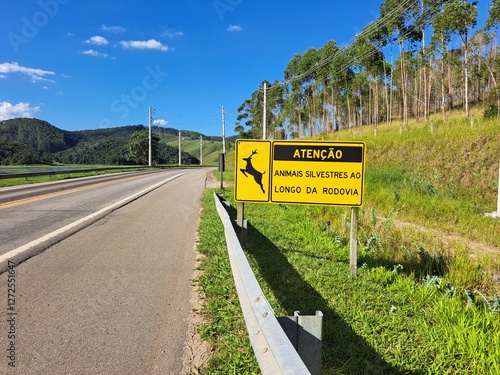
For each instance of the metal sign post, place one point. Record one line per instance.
(353, 253)
(306, 172)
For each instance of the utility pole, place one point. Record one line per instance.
(201, 150)
(150, 137)
(223, 133)
(222, 161)
(264, 125)
(180, 160)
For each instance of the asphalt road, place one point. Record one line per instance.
(28, 212)
(113, 298)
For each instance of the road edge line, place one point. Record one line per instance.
(39, 245)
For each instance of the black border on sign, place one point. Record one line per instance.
(269, 178)
(305, 143)
(316, 143)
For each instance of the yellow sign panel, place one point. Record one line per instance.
(326, 173)
(252, 171)
(310, 172)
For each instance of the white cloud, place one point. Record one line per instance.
(113, 29)
(173, 34)
(8, 111)
(94, 53)
(144, 44)
(3, 76)
(160, 122)
(99, 40)
(36, 75)
(234, 28)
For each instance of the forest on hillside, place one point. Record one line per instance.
(436, 63)
(34, 141)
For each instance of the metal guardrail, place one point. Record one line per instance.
(4, 176)
(273, 349)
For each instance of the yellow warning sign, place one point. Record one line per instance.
(326, 173)
(309, 172)
(252, 170)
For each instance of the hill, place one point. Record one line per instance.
(212, 146)
(34, 141)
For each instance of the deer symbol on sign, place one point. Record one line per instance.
(252, 171)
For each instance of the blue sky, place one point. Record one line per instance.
(101, 63)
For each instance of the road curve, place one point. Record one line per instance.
(111, 299)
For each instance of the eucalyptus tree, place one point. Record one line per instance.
(341, 75)
(249, 121)
(244, 121)
(428, 11)
(399, 19)
(439, 42)
(482, 48)
(368, 61)
(327, 54)
(293, 96)
(307, 78)
(275, 111)
(484, 67)
(457, 17)
(493, 20)
(250, 115)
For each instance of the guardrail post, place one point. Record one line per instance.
(241, 222)
(305, 332)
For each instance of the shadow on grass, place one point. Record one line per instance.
(344, 351)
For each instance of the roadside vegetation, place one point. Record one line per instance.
(426, 298)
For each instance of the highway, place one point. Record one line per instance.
(114, 296)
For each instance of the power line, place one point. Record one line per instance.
(399, 10)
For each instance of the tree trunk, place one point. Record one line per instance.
(466, 73)
(443, 110)
(404, 84)
(386, 91)
(299, 127)
(450, 88)
(375, 107)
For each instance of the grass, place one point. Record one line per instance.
(211, 149)
(438, 184)
(381, 322)
(426, 298)
(225, 328)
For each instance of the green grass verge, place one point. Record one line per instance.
(224, 329)
(382, 322)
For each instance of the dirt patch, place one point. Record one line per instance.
(211, 181)
(196, 351)
(475, 248)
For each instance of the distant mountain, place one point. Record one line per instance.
(36, 134)
(34, 141)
